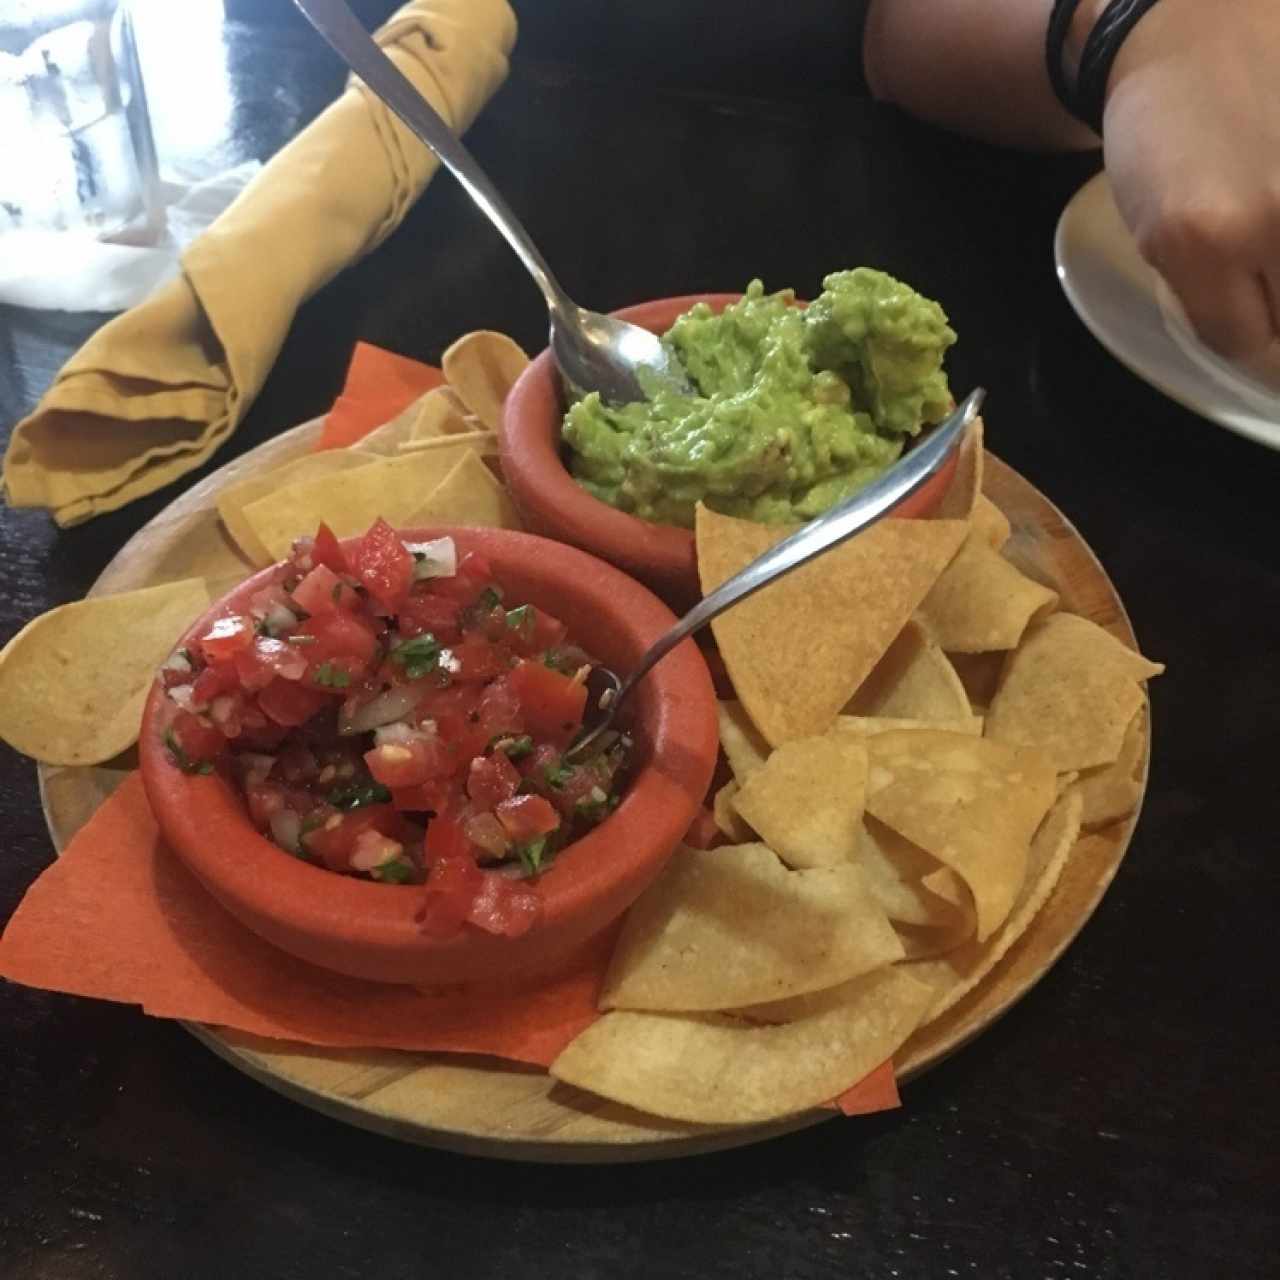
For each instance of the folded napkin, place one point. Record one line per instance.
(153, 393)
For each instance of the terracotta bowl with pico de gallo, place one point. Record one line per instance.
(361, 753)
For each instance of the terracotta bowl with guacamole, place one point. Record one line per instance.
(622, 483)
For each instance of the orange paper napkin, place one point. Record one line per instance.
(118, 917)
(379, 385)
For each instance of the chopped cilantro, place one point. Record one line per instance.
(331, 677)
(557, 775)
(180, 757)
(559, 661)
(530, 854)
(489, 598)
(521, 619)
(356, 795)
(397, 871)
(514, 748)
(419, 656)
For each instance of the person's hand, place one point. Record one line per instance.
(1191, 133)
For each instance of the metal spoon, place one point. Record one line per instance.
(595, 352)
(606, 692)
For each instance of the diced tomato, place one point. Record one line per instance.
(527, 817)
(436, 701)
(427, 613)
(499, 709)
(427, 797)
(552, 703)
(289, 703)
(196, 738)
(268, 658)
(703, 832)
(463, 738)
(343, 645)
(504, 906)
(491, 780)
(322, 591)
(473, 575)
(408, 764)
(213, 681)
(327, 550)
(534, 631)
(333, 841)
(382, 564)
(226, 638)
(453, 878)
(478, 661)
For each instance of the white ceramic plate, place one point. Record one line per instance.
(1114, 293)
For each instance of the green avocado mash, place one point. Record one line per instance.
(796, 407)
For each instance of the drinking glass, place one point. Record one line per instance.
(76, 151)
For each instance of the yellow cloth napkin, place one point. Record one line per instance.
(153, 393)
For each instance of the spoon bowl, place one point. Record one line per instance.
(594, 352)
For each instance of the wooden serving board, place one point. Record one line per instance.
(489, 1107)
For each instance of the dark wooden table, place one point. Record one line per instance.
(1121, 1122)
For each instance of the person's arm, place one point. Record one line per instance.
(1191, 130)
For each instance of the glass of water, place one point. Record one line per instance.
(76, 151)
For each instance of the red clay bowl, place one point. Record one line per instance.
(367, 929)
(555, 505)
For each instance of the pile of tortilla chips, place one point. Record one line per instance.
(918, 739)
(72, 694)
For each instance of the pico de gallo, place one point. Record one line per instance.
(390, 714)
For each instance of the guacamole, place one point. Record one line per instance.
(795, 408)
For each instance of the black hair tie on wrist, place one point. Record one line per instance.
(1087, 97)
(1055, 37)
(1108, 34)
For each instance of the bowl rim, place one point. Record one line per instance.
(204, 820)
(663, 555)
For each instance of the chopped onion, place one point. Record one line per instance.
(255, 767)
(280, 619)
(386, 708)
(437, 558)
(397, 734)
(182, 695)
(484, 830)
(286, 829)
(178, 662)
(373, 849)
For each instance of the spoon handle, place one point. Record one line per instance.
(828, 530)
(352, 43)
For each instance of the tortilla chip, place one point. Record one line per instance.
(732, 926)
(954, 975)
(440, 413)
(233, 500)
(482, 367)
(867, 726)
(197, 548)
(798, 649)
(715, 1069)
(1071, 690)
(468, 496)
(485, 443)
(981, 602)
(807, 800)
(895, 870)
(970, 802)
(743, 744)
(73, 681)
(726, 816)
(966, 485)
(349, 503)
(387, 439)
(1113, 791)
(990, 523)
(913, 681)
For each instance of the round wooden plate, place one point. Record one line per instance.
(494, 1108)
